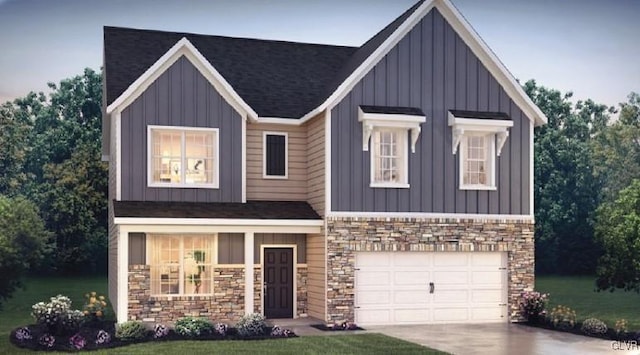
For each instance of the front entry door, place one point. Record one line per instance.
(278, 279)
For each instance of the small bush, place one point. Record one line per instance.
(57, 315)
(77, 341)
(221, 329)
(131, 330)
(533, 306)
(160, 331)
(23, 334)
(193, 327)
(94, 305)
(47, 340)
(103, 337)
(621, 326)
(593, 326)
(563, 317)
(251, 325)
(278, 332)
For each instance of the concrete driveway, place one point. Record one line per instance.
(502, 339)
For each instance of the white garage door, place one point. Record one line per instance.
(430, 287)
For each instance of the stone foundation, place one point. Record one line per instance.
(345, 236)
(225, 305)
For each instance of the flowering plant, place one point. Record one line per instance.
(621, 326)
(160, 331)
(57, 315)
(220, 329)
(276, 331)
(532, 306)
(77, 341)
(23, 334)
(563, 317)
(47, 340)
(94, 305)
(103, 337)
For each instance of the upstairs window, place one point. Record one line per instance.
(479, 136)
(390, 158)
(275, 155)
(183, 157)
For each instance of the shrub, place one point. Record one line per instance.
(221, 329)
(77, 341)
(57, 315)
(193, 327)
(23, 334)
(131, 330)
(533, 306)
(276, 331)
(593, 326)
(563, 317)
(47, 340)
(160, 331)
(103, 337)
(94, 305)
(621, 326)
(251, 325)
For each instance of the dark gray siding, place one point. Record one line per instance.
(231, 248)
(181, 96)
(137, 249)
(300, 240)
(431, 68)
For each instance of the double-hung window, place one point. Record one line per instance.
(181, 265)
(183, 157)
(389, 163)
(479, 138)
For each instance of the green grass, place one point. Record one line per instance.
(16, 313)
(579, 294)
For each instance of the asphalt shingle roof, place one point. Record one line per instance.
(275, 78)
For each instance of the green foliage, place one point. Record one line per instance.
(533, 306)
(251, 325)
(57, 315)
(193, 326)
(618, 229)
(566, 191)
(593, 326)
(130, 331)
(23, 242)
(563, 317)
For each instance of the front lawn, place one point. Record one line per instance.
(16, 313)
(579, 294)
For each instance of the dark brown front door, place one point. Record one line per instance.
(278, 278)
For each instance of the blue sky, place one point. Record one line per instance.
(590, 47)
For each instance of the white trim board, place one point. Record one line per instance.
(218, 221)
(264, 155)
(428, 215)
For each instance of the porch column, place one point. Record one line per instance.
(123, 275)
(248, 273)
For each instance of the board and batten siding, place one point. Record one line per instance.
(300, 240)
(294, 187)
(181, 96)
(316, 268)
(315, 163)
(433, 69)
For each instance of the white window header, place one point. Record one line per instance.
(465, 125)
(370, 121)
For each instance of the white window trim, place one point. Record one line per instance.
(264, 155)
(151, 244)
(462, 127)
(216, 173)
(402, 143)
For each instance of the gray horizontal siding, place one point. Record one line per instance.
(433, 69)
(181, 96)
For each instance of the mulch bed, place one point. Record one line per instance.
(89, 332)
(337, 328)
(609, 335)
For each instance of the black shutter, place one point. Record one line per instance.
(276, 155)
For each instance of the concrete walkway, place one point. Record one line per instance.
(501, 338)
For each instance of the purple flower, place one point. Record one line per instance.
(160, 331)
(47, 340)
(103, 337)
(23, 334)
(77, 341)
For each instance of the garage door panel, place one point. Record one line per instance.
(373, 278)
(410, 297)
(486, 277)
(417, 278)
(450, 259)
(407, 316)
(373, 316)
(366, 298)
(412, 259)
(374, 259)
(451, 277)
(450, 314)
(490, 313)
(482, 296)
(454, 296)
(486, 259)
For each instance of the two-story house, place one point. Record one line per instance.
(389, 183)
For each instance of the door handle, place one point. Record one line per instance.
(432, 287)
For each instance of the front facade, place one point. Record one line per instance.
(386, 184)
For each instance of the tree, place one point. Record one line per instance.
(23, 242)
(618, 229)
(566, 192)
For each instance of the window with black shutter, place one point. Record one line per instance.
(275, 155)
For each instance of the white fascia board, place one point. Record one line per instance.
(183, 48)
(218, 221)
(207, 229)
(427, 215)
(478, 122)
(471, 39)
(278, 120)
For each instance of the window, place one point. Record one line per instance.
(183, 157)
(389, 161)
(480, 137)
(181, 265)
(388, 129)
(275, 155)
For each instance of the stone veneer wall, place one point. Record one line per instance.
(345, 236)
(225, 305)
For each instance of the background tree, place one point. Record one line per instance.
(618, 229)
(23, 242)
